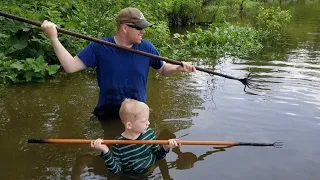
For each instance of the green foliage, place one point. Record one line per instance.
(272, 20)
(20, 41)
(27, 55)
(27, 52)
(28, 70)
(227, 39)
(95, 17)
(159, 34)
(220, 40)
(183, 12)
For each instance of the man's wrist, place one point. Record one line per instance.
(54, 39)
(178, 68)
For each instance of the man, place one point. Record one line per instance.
(121, 74)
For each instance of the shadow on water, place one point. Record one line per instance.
(187, 160)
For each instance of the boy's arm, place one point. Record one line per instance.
(158, 150)
(112, 160)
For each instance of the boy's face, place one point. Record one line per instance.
(141, 123)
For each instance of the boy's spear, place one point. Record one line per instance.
(182, 142)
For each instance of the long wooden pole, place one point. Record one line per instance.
(244, 81)
(217, 143)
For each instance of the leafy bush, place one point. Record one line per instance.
(227, 39)
(183, 12)
(27, 70)
(27, 47)
(220, 40)
(271, 21)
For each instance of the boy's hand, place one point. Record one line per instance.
(97, 144)
(172, 144)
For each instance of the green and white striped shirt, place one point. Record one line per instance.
(134, 158)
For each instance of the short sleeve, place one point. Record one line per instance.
(89, 55)
(155, 63)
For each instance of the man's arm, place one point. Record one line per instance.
(69, 63)
(168, 69)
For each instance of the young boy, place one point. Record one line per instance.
(133, 158)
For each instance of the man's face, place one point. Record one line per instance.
(135, 34)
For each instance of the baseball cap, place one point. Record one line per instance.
(132, 16)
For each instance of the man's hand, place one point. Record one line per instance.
(50, 29)
(186, 67)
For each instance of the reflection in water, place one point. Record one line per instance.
(186, 160)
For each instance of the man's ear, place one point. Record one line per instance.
(124, 28)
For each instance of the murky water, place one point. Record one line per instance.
(190, 107)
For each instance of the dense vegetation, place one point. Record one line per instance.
(26, 54)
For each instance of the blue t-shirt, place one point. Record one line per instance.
(121, 74)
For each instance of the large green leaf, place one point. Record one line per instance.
(28, 75)
(17, 65)
(21, 45)
(39, 64)
(52, 69)
(12, 77)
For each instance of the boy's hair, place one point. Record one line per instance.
(131, 108)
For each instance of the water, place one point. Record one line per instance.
(193, 107)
